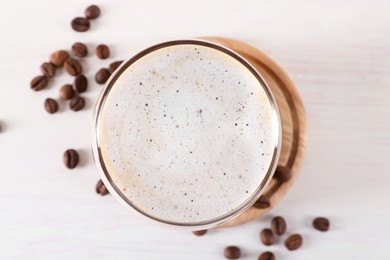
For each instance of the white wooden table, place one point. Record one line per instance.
(337, 53)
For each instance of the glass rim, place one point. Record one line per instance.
(117, 193)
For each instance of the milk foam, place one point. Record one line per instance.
(187, 133)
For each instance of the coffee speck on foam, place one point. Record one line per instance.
(187, 133)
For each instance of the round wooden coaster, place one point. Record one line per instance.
(293, 117)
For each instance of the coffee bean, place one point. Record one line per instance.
(80, 24)
(48, 69)
(102, 76)
(38, 83)
(51, 105)
(58, 58)
(77, 103)
(113, 66)
(71, 158)
(267, 237)
(232, 252)
(92, 12)
(283, 174)
(278, 225)
(79, 49)
(101, 188)
(267, 256)
(73, 67)
(66, 92)
(321, 224)
(262, 203)
(102, 51)
(293, 242)
(80, 84)
(199, 232)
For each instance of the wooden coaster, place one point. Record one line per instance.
(293, 117)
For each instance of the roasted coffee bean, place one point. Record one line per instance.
(71, 158)
(48, 69)
(79, 49)
(199, 233)
(262, 203)
(267, 256)
(77, 103)
(101, 188)
(58, 58)
(102, 51)
(73, 67)
(92, 12)
(80, 84)
(293, 242)
(51, 105)
(80, 24)
(282, 174)
(113, 66)
(0, 127)
(66, 92)
(267, 237)
(321, 224)
(102, 76)
(38, 83)
(232, 252)
(278, 225)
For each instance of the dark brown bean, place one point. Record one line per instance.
(66, 92)
(102, 51)
(92, 12)
(38, 83)
(77, 103)
(73, 67)
(267, 237)
(278, 225)
(113, 66)
(232, 252)
(199, 232)
(71, 158)
(321, 224)
(267, 256)
(80, 84)
(262, 203)
(51, 105)
(101, 188)
(58, 58)
(283, 174)
(48, 69)
(80, 24)
(102, 76)
(293, 242)
(79, 49)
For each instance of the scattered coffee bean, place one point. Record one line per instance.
(262, 203)
(267, 256)
(102, 76)
(267, 237)
(199, 233)
(73, 67)
(113, 66)
(102, 51)
(77, 103)
(38, 83)
(71, 158)
(101, 188)
(92, 12)
(232, 252)
(51, 105)
(58, 58)
(283, 174)
(278, 225)
(79, 49)
(0, 127)
(80, 24)
(66, 92)
(321, 224)
(293, 242)
(48, 69)
(80, 84)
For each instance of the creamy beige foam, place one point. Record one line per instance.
(187, 133)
